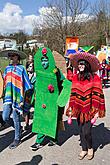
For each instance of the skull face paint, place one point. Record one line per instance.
(45, 62)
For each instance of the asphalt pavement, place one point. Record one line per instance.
(68, 147)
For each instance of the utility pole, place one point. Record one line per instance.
(66, 22)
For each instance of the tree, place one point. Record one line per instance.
(101, 11)
(20, 36)
(61, 20)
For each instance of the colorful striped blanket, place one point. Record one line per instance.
(16, 83)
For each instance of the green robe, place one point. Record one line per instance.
(45, 119)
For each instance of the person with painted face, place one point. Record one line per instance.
(48, 86)
(45, 62)
(30, 66)
(30, 72)
(86, 102)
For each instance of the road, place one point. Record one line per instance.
(66, 152)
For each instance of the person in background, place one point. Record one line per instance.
(30, 72)
(16, 84)
(108, 69)
(2, 123)
(103, 71)
(86, 102)
(69, 69)
(30, 66)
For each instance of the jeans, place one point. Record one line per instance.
(15, 121)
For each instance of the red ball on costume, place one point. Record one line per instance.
(44, 51)
(51, 88)
(43, 106)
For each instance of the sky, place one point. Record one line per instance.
(28, 6)
(18, 15)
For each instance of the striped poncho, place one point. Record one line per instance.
(86, 99)
(16, 83)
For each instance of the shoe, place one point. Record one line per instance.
(51, 143)
(90, 154)
(36, 146)
(82, 155)
(14, 144)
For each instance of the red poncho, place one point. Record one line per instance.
(86, 99)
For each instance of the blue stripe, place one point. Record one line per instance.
(14, 87)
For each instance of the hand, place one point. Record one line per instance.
(21, 104)
(93, 121)
(96, 115)
(95, 118)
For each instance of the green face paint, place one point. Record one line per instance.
(45, 62)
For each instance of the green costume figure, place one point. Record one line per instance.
(50, 99)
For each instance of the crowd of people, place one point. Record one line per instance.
(43, 86)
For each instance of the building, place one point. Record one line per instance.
(7, 43)
(33, 43)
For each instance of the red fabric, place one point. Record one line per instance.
(69, 74)
(86, 99)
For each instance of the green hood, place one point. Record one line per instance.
(37, 61)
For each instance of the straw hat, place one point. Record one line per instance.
(92, 59)
(14, 50)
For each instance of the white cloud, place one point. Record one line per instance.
(11, 9)
(46, 10)
(12, 20)
(83, 17)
